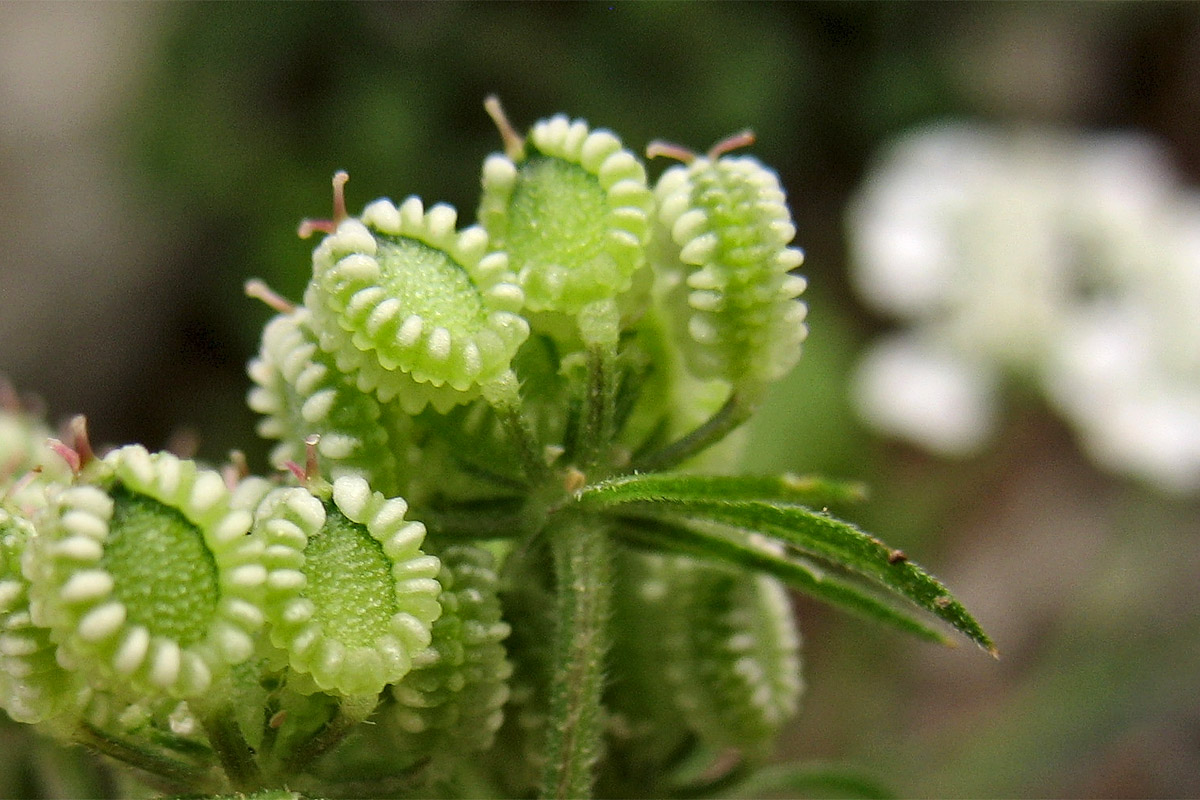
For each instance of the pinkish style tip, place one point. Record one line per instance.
(9, 400)
(81, 440)
(236, 470)
(737, 140)
(296, 470)
(259, 290)
(310, 226)
(514, 145)
(311, 469)
(66, 454)
(669, 150)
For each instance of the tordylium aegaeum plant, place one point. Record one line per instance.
(503, 553)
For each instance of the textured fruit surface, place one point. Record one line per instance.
(414, 309)
(351, 597)
(451, 704)
(300, 392)
(727, 284)
(573, 215)
(147, 578)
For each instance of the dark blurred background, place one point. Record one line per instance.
(155, 156)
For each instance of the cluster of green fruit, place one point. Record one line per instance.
(512, 381)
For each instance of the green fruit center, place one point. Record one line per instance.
(349, 581)
(162, 569)
(429, 283)
(556, 215)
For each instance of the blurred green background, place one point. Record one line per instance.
(153, 157)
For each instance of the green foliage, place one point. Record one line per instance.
(481, 581)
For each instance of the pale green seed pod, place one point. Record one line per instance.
(451, 704)
(730, 650)
(301, 392)
(350, 596)
(727, 282)
(414, 309)
(33, 686)
(145, 575)
(572, 211)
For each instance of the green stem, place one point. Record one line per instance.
(173, 775)
(351, 711)
(232, 749)
(737, 409)
(600, 408)
(504, 396)
(583, 577)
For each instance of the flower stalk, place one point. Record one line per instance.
(583, 577)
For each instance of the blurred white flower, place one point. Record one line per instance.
(1070, 261)
(927, 394)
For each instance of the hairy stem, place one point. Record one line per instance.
(234, 753)
(171, 774)
(583, 577)
(600, 406)
(350, 713)
(504, 396)
(737, 409)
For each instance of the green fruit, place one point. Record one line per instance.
(451, 704)
(726, 280)
(728, 648)
(572, 211)
(412, 309)
(145, 576)
(33, 686)
(301, 392)
(350, 596)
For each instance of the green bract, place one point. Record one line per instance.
(145, 576)
(728, 284)
(350, 596)
(414, 309)
(301, 392)
(572, 212)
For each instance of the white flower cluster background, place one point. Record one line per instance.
(1065, 262)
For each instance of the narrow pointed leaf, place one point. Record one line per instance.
(741, 549)
(809, 490)
(800, 527)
